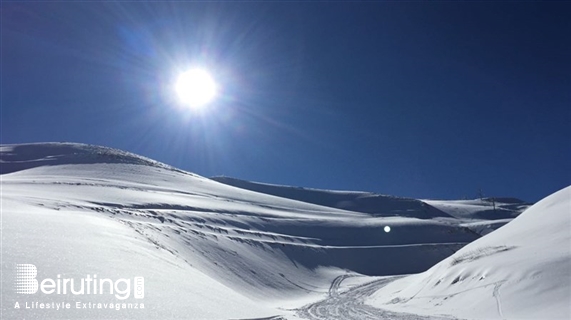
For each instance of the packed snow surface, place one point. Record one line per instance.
(209, 250)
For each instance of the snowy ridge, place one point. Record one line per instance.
(522, 270)
(379, 205)
(485, 209)
(479, 216)
(14, 158)
(374, 204)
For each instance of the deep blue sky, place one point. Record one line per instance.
(416, 99)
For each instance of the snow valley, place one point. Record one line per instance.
(172, 244)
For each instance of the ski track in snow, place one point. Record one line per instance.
(498, 298)
(350, 305)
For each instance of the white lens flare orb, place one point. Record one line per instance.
(387, 229)
(195, 88)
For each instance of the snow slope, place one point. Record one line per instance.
(384, 205)
(206, 250)
(487, 208)
(521, 271)
(479, 216)
(366, 202)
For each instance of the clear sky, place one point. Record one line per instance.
(418, 99)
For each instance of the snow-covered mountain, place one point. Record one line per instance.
(207, 250)
(481, 216)
(376, 205)
(521, 271)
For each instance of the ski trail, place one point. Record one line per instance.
(349, 305)
(496, 295)
(335, 284)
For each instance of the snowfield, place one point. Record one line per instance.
(521, 271)
(241, 250)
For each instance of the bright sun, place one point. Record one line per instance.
(195, 88)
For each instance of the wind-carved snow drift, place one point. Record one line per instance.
(207, 250)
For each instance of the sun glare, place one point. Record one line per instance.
(195, 88)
